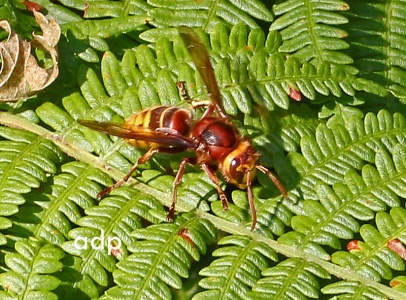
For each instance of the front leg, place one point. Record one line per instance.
(212, 175)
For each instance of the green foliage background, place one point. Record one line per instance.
(340, 152)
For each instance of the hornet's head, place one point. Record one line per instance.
(239, 162)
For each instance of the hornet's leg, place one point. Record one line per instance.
(215, 180)
(251, 201)
(182, 91)
(209, 109)
(195, 104)
(274, 179)
(176, 182)
(142, 160)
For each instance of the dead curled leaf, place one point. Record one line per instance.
(20, 74)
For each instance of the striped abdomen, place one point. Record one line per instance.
(175, 118)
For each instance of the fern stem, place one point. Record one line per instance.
(18, 122)
(289, 251)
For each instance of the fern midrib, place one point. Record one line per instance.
(92, 256)
(63, 198)
(161, 256)
(279, 80)
(291, 280)
(27, 290)
(312, 34)
(211, 13)
(302, 127)
(247, 249)
(386, 51)
(373, 252)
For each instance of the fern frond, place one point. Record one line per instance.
(104, 28)
(72, 191)
(309, 30)
(397, 49)
(290, 279)
(391, 225)
(273, 216)
(195, 191)
(368, 260)
(378, 49)
(340, 113)
(96, 33)
(207, 14)
(246, 75)
(344, 168)
(373, 258)
(237, 211)
(160, 257)
(300, 123)
(283, 133)
(103, 236)
(353, 290)
(333, 218)
(267, 78)
(140, 205)
(112, 222)
(102, 9)
(332, 152)
(32, 271)
(233, 274)
(26, 160)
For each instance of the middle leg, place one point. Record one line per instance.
(176, 182)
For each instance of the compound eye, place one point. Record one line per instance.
(235, 173)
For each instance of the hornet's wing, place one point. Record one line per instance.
(160, 136)
(201, 59)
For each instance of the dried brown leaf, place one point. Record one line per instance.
(20, 74)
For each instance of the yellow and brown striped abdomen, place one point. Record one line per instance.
(174, 118)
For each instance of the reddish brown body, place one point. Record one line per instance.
(217, 139)
(222, 146)
(213, 138)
